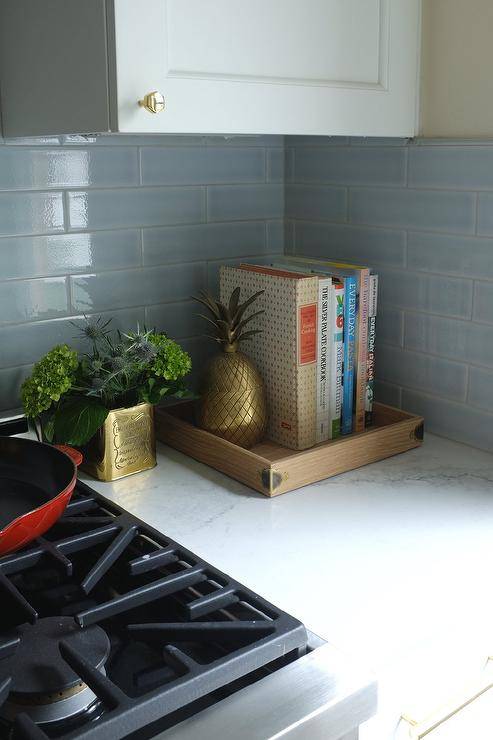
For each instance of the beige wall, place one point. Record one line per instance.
(457, 68)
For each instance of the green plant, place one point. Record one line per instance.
(68, 396)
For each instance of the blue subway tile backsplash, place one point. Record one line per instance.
(31, 213)
(126, 226)
(32, 169)
(353, 166)
(130, 226)
(434, 210)
(135, 207)
(25, 300)
(428, 238)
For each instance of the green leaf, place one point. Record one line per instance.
(48, 427)
(78, 419)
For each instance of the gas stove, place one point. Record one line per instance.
(109, 629)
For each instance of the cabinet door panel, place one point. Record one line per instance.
(339, 67)
(310, 42)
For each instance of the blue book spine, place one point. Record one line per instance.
(349, 350)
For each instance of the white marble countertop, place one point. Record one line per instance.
(380, 561)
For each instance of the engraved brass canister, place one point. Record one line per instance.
(124, 445)
(233, 403)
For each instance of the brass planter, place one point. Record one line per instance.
(124, 445)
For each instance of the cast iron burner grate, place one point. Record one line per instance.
(180, 631)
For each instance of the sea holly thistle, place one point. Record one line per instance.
(69, 394)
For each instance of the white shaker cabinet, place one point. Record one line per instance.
(337, 67)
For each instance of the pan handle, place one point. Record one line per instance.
(74, 454)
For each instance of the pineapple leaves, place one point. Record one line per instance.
(228, 319)
(243, 323)
(248, 334)
(233, 301)
(242, 307)
(206, 300)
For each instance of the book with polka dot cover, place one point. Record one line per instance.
(285, 352)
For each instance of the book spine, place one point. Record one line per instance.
(323, 358)
(306, 366)
(335, 405)
(362, 350)
(370, 366)
(349, 352)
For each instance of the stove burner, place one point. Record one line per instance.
(178, 633)
(43, 685)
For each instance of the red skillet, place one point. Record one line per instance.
(36, 483)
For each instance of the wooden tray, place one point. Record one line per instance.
(272, 469)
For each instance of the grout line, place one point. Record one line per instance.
(141, 246)
(476, 214)
(69, 293)
(139, 163)
(468, 384)
(66, 211)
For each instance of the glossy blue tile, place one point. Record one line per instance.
(464, 256)
(481, 388)
(453, 420)
(28, 300)
(433, 293)
(387, 393)
(107, 209)
(178, 320)
(465, 341)
(389, 326)
(146, 286)
(275, 164)
(317, 202)
(201, 350)
(201, 165)
(10, 385)
(432, 210)
(485, 214)
(61, 254)
(30, 169)
(422, 372)
(456, 167)
(203, 242)
(24, 344)
(30, 213)
(276, 234)
(354, 243)
(483, 301)
(350, 165)
(244, 202)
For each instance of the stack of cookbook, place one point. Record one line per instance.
(316, 351)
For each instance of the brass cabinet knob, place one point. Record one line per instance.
(153, 102)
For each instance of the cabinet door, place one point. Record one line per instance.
(340, 67)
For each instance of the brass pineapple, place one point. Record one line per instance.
(232, 403)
